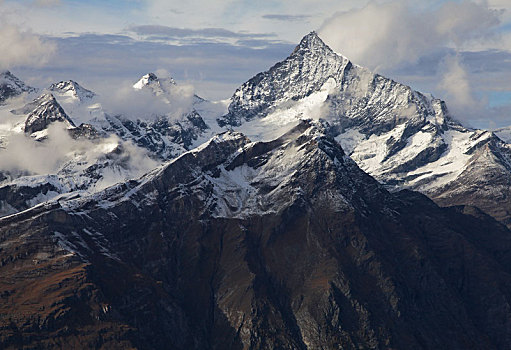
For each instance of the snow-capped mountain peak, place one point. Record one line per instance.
(403, 138)
(145, 80)
(72, 89)
(158, 86)
(11, 86)
(309, 67)
(312, 42)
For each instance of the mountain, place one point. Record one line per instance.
(405, 139)
(251, 245)
(72, 90)
(311, 65)
(163, 138)
(167, 135)
(159, 86)
(103, 148)
(284, 222)
(46, 111)
(11, 86)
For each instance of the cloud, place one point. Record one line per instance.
(472, 22)
(249, 16)
(456, 86)
(144, 104)
(101, 62)
(287, 18)
(385, 35)
(165, 31)
(23, 48)
(461, 58)
(23, 155)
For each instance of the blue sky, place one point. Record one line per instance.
(457, 50)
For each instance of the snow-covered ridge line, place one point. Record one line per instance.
(402, 137)
(132, 146)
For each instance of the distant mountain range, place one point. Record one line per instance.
(293, 216)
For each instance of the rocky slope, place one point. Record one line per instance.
(11, 86)
(164, 136)
(405, 139)
(102, 148)
(44, 111)
(284, 244)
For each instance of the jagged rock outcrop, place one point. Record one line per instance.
(11, 86)
(46, 111)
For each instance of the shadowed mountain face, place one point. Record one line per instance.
(284, 244)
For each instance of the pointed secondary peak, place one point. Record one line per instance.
(72, 89)
(6, 77)
(158, 86)
(47, 110)
(63, 85)
(145, 80)
(150, 79)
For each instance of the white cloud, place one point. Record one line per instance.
(23, 155)
(20, 48)
(384, 35)
(422, 45)
(472, 22)
(456, 86)
(143, 104)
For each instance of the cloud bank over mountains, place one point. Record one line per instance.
(464, 59)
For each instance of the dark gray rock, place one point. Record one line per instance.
(11, 86)
(325, 259)
(47, 110)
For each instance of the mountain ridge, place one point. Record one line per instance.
(403, 138)
(341, 262)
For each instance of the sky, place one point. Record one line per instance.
(459, 51)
